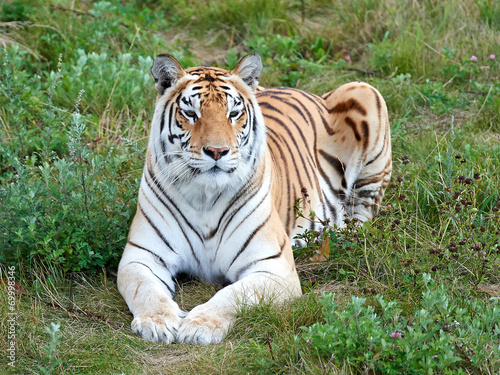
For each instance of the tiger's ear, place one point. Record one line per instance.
(249, 69)
(166, 71)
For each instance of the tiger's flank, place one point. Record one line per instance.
(226, 162)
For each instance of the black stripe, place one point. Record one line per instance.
(311, 119)
(379, 105)
(277, 255)
(273, 91)
(250, 238)
(270, 107)
(379, 153)
(334, 162)
(332, 210)
(347, 106)
(365, 193)
(327, 95)
(149, 251)
(282, 246)
(251, 129)
(248, 189)
(310, 158)
(220, 194)
(328, 205)
(352, 125)
(367, 181)
(171, 213)
(171, 121)
(164, 194)
(337, 165)
(162, 122)
(156, 230)
(297, 148)
(286, 182)
(366, 134)
(288, 91)
(294, 217)
(330, 188)
(163, 282)
(243, 220)
(314, 99)
(243, 269)
(379, 111)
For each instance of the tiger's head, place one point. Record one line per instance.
(208, 133)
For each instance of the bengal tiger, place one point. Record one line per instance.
(225, 164)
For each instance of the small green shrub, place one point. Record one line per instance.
(101, 76)
(443, 335)
(290, 58)
(53, 363)
(13, 11)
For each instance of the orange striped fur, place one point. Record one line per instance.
(226, 163)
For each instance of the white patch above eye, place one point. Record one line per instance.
(189, 104)
(234, 106)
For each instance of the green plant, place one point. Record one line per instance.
(440, 336)
(68, 205)
(55, 335)
(290, 57)
(490, 11)
(15, 11)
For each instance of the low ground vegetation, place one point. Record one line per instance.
(414, 291)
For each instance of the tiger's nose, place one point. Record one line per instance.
(215, 153)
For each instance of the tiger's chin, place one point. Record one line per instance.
(203, 189)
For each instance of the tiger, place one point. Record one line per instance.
(226, 164)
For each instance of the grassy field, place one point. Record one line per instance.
(414, 291)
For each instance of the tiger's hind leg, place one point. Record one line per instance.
(358, 135)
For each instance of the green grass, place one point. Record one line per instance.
(439, 217)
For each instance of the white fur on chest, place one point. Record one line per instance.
(207, 235)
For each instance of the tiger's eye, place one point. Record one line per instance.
(190, 113)
(233, 114)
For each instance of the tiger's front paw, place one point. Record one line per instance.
(204, 326)
(157, 327)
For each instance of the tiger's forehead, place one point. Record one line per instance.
(209, 83)
(208, 72)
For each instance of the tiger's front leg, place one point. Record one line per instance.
(147, 288)
(273, 279)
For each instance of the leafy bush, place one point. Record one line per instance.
(291, 58)
(439, 337)
(65, 200)
(101, 75)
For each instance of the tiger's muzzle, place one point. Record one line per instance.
(215, 153)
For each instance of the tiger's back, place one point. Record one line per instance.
(331, 152)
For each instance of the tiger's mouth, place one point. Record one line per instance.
(215, 170)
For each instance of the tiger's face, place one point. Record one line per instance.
(211, 133)
(213, 122)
